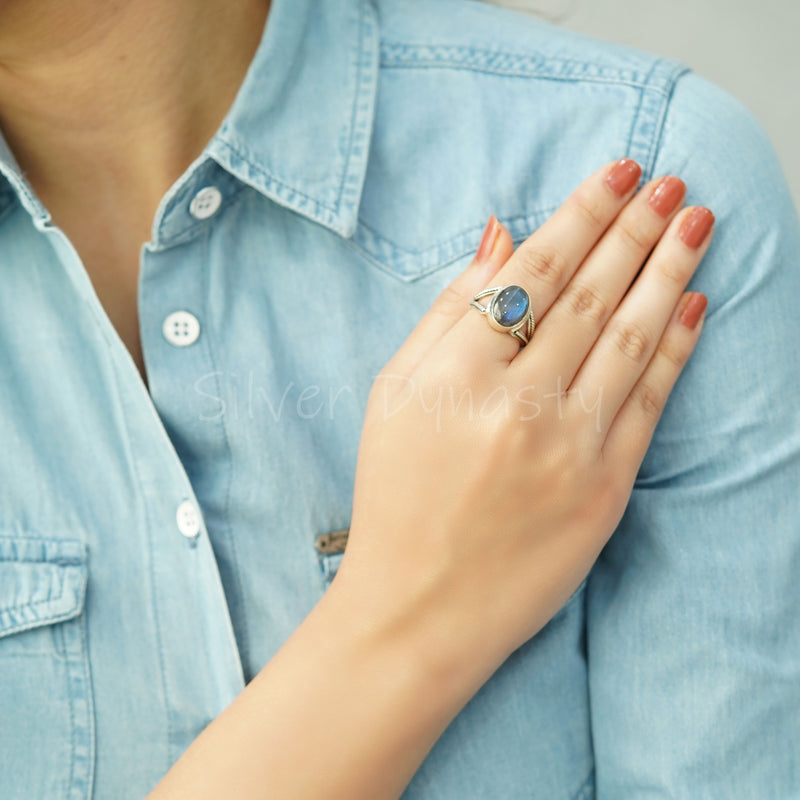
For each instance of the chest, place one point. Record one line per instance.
(110, 253)
(115, 280)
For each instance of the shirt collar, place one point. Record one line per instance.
(13, 185)
(300, 126)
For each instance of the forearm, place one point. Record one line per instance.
(348, 708)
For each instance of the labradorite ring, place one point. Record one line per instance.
(508, 310)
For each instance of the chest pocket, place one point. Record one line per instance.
(46, 719)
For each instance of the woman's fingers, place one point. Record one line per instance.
(572, 325)
(562, 487)
(546, 261)
(633, 427)
(495, 248)
(628, 341)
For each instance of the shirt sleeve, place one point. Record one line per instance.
(693, 609)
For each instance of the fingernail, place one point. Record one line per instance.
(666, 196)
(695, 227)
(624, 175)
(488, 240)
(693, 310)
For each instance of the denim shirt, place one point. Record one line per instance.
(157, 547)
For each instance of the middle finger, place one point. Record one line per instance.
(574, 321)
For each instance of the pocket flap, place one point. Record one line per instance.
(42, 581)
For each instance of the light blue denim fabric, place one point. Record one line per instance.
(357, 168)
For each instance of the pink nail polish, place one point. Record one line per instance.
(623, 176)
(666, 196)
(488, 240)
(695, 227)
(693, 310)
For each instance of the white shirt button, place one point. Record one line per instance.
(188, 519)
(181, 328)
(205, 203)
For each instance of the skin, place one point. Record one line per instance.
(105, 105)
(432, 594)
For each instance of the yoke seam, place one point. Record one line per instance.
(403, 56)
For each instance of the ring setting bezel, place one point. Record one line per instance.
(520, 322)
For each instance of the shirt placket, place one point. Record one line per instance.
(184, 600)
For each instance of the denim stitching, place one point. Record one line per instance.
(244, 647)
(72, 733)
(411, 56)
(81, 710)
(358, 20)
(662, 119)
(240, 150)
(447, 243)
(520, 228)
(365, 92)
(49, 599)
(631, 148)
(651, 110)
(284, 193)
(41, 546)
(38, 621)
(150, 531)
(38, 211)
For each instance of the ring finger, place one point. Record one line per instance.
(544, 263)
(629, 339)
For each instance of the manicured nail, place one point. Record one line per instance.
(695, 227)
(693, 310)
(624, 175)
(488, 240)
(666, 196)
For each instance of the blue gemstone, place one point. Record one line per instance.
(510, 306)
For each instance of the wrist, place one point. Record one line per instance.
(420, 633)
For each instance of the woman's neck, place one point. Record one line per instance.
(125, 90)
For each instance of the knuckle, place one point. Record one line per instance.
(650, 400)
(450, 298)
(676, 356)
(590, 211)
(449, 304)
(674, 273)
(632, 341)
(633, 238)
(543, 265)
(587, 302)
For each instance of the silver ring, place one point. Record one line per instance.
(509, 311)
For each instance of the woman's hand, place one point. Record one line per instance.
(489, 476)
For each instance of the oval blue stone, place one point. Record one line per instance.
(510, 306)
